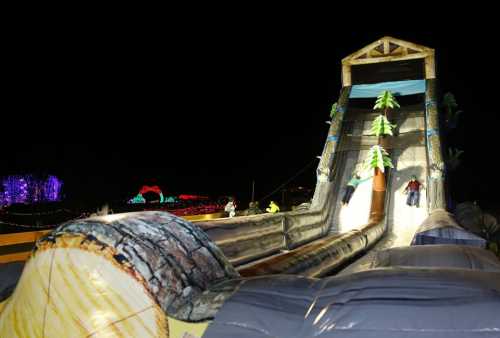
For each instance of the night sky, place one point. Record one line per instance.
(210, 111)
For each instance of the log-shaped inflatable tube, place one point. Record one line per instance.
(113, 276)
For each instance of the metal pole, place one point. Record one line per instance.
(253, 190)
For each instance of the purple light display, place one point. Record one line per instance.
(52, 189)
(28, 189)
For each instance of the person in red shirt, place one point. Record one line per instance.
(413, 191)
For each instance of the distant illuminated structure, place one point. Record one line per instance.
(139, 198)
(29, 189)
(52, 189)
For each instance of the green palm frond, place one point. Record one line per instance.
(450, 107)
(449, 101)
(381, 126)
(454, 153)
(386, 100)
(453, 158)
(333, 111)
(378, 158)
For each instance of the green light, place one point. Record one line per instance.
(139, 199)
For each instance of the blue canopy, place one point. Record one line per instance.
(398, 88)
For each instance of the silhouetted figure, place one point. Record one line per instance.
(230, 208)
(253, 209)
(273, 208)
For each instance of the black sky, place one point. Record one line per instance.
(206, 112)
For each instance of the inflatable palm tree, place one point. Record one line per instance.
(386, 101)
(453, 158)
(333, 111)
(450, 105)
(381, 127)
(377, 160)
